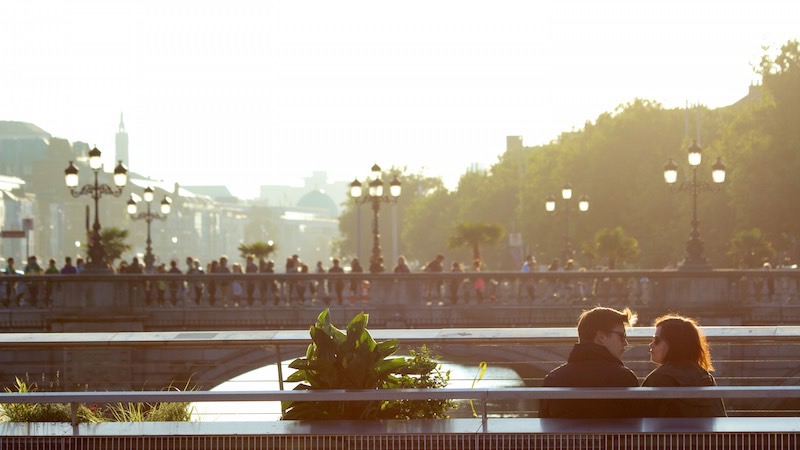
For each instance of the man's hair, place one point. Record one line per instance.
(601, 318)
(685, 340)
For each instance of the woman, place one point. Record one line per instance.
(681, 351)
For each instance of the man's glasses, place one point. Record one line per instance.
(621, 334)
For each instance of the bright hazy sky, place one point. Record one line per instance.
(246, 93)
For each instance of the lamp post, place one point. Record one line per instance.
(695, 260)
(550, 207)
(166, 206)
(376, 196)
(97, 252)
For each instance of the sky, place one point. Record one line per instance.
(251, 93)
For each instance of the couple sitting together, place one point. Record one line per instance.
(678, 347)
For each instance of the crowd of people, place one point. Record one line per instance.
(575, 289)
(33, 293)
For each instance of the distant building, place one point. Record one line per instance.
(21, 145)
(275, 195)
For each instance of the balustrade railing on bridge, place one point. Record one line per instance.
(622, 287)
(397, 300)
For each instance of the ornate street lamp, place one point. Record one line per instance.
(97, 252)
(550, 207)
(376, 196)
(695, 259)
(166, 206)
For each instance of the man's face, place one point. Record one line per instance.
(615, 340)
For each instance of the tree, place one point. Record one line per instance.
(468, 234)
(113, 240)
(259, 250)
(750, 248)
(615, 246)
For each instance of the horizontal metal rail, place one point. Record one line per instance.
(483, 395)
(748, 334)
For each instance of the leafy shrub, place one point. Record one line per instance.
(353, 360)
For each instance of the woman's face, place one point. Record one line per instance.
(658, 348)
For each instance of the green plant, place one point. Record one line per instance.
(423, 373)
(354, 360)
(119, 412)
(33, 412)
(151, 412)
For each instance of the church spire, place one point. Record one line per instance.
(122, 142)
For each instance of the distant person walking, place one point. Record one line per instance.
(402, 266)
(595, 361)
(529, 266)
(681, 351)
(436, 265)
(68, 268)
(338, 285)
(33, 268)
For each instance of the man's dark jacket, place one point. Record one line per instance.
(590, 365)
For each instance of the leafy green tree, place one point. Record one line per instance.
(474, 235)
(428, 219)
(750, 248)
(617, 248)
(617, 160)
(764, 158)
(354, 360)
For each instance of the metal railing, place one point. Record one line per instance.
(479, 433)
(493, 428)
(759, 357)
(484, 396)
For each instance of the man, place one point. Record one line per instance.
(193, 268)
(12, 290)
(52, 269)
(250, 267)
(527, 267)
(338, 285)
(33, 268)
(436, 265)
(68, 268)
(595, 361)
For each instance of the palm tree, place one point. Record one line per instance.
(113, 239)
(469, 234)
(750, 248)
(259, 250)
(615, 246)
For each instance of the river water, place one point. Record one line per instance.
(266, 379)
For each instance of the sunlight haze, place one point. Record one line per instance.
(247, 93)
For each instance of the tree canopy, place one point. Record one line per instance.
(617, 160)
